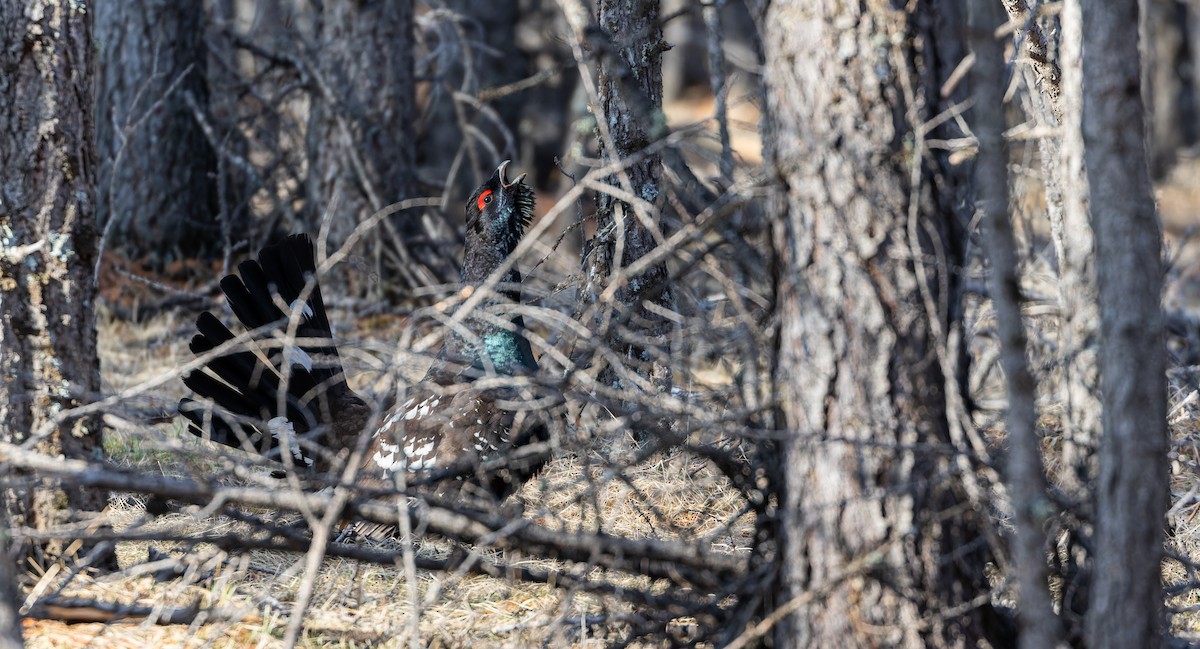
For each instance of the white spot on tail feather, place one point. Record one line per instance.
(297, 356)
(281, 427)
(304, 308)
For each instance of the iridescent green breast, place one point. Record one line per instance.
(508, 351)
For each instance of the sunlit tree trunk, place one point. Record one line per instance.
(881, 543)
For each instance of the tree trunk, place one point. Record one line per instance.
(10, 619)
(630, 88)
(361, 139)
(880, 544)
(1131, 495)
(1073, 242)
(157, 187)
(48, 360)
(1026, 472)
(485, 59)
(1162, 33)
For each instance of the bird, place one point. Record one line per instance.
(280, 390)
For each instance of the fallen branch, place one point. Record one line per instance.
(675, 561)
(89, 610)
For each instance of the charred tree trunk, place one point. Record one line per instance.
(361, 145)
(157, 179)
(48, 360)
(1131, 495)
(631, 118)
(882, 540)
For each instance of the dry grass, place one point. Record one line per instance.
(1183, 529)
(673, 495)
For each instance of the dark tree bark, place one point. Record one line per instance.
(630, 115)
(1024, 466)
(10, 619)
(48, 360)
(361, 145)
(547, 111)
(1165, 89)
(1131, 495)
(477, 53)
(157, 179)
(882, 541)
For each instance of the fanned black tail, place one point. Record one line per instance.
(250, 401)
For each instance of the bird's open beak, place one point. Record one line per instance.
(504, 183)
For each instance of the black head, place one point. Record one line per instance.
(499, 211)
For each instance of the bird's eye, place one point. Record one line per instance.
(484, 198)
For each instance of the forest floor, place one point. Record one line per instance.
(355, 603)
(143, 328)
(674, 495)
(360, 604)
